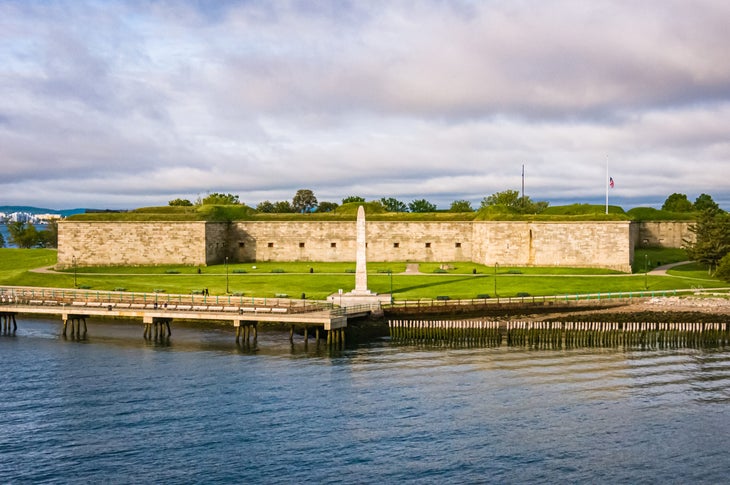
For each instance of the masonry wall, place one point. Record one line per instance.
(131, 243)
(587, 244)
(336, 241)
(665, 234)
(578, 244)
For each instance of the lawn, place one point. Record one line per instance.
(317, 280)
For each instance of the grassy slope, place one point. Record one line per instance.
(375, 212)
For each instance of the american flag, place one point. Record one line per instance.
(610, 182)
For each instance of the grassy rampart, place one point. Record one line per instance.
(375, 212)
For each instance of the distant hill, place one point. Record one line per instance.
(39, 210)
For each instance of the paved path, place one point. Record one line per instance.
(662, 270)
(412, 268)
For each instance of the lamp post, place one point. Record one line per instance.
(496, 265)
(646, 271)
(73, 261)
(226, 275)
(390, 273)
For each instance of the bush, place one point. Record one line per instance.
(723, 268)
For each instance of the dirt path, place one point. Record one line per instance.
(412, 268)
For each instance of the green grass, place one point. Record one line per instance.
(375, 212)
(15, 262)
(462, 279)
(650, 258)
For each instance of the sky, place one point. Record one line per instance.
(124, 104)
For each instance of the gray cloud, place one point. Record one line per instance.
(123, 104)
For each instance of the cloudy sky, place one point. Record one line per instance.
(122, 104)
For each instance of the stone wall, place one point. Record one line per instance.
(665, 234)
(336, 241)
(577, 244)
(586, 244)
(131, 243)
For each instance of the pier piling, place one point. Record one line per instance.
(559, 335)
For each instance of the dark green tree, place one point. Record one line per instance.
(23, 235)
(266, 207)
(723, 268)
(712, 238)
(677, 203)
(327, 206)
(48, 237)
(511, 200)
(353, 198)
(507, 198)
(393, 205)
(304, 201)
(421, 205)
(704, 202)
(180, 203)
(2, 241)
(217, 198)
(461, 206)
(283, 207)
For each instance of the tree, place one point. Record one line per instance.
(461, 206)
(507, 198)
(266, 207)
(283, 206)
(704, 202)
(48, 238)
(393, 205)
(421, 205)
(327, 206)
(712, 238)
(304, 201)
(2, 241)
(23, 235)
(217, 198)
(677, 203)
(511, 199)
(723, 268)
(180, 203)
(353, 198)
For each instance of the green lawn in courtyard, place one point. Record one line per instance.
(461, 280)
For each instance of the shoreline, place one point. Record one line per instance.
(672, 308)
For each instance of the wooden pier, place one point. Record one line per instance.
(158, 311)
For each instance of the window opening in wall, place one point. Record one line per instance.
(396, 245)
(241, 244)
(428, 245)
(457, 245)
(271, 245)
(301, 244)
(333, 245)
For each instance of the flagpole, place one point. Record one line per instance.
(605, 182)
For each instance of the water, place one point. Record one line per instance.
(115, 408)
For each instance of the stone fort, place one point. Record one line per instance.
(507, 243)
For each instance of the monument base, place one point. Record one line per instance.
(360, 297)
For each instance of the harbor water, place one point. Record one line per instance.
(197, 408)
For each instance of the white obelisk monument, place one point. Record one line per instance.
(361, 272)
(360, 295)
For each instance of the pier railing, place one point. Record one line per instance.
(77, 297)
(616, 296)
